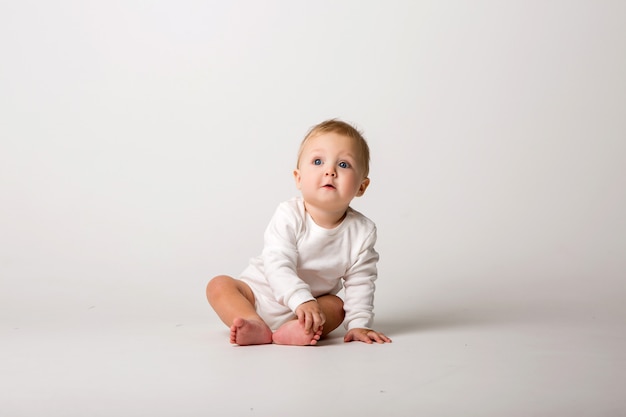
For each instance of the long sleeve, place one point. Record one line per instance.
(280, 256)
(360, 287)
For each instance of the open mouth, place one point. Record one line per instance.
(329, 186)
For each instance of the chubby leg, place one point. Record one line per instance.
(233, 301)
(293, 333)
(332, 306)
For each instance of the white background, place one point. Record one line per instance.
(144, 146)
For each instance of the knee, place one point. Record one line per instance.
(217, 285)
(337, 306)
(342, 312)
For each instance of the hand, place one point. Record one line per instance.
(365, 335)
(310, 316)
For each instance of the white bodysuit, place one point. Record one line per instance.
(301, 261)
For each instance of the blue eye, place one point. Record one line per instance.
(343, 164)
(317, 161)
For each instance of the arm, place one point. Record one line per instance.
(280, 257)
(359, 295)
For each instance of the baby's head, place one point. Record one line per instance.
(344, 129)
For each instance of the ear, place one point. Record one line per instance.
(364, 184)
(297, 178)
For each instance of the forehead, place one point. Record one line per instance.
(331, 141)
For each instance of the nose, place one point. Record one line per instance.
(331, 171)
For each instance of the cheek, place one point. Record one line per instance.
(308, 180)
(352, 181)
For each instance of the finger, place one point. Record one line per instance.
(375, 337)
(349, 337)
(315, 322)
(381, 337)
(300, 316)
(308, 323)
(365, 338)
(318, 320)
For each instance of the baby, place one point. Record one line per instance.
(314, 246)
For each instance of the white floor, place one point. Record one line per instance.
(469, 358)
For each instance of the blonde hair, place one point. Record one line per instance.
(344, 129)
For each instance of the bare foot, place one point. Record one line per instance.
(249, 332)
(292, 333)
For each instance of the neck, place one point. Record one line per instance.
(324, 218)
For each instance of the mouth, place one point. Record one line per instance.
(329, 187)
